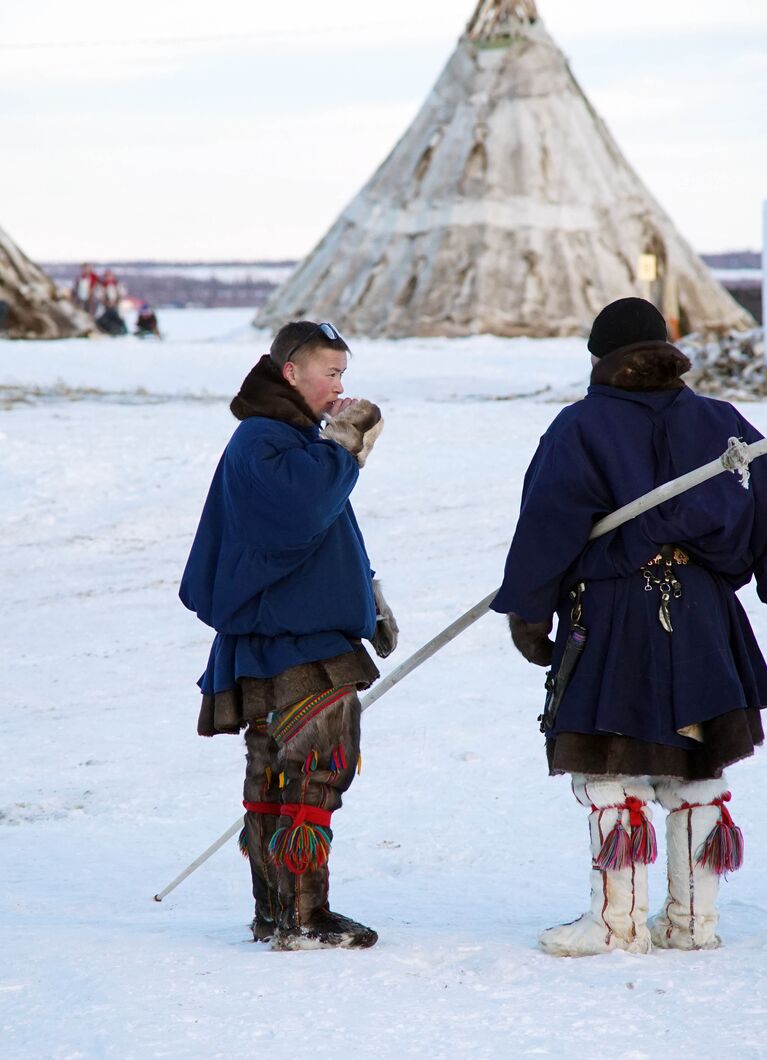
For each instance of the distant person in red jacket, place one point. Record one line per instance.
(85, 287)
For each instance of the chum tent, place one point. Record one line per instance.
(506, 207)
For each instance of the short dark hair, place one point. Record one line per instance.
(294, 334)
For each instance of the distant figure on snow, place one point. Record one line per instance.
(112, 290)
(111, 323)
(146, 322)
(666, 679)
(278, 568)
(85, 289)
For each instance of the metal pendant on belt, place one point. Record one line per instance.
(660, 571)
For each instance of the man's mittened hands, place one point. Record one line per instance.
(384, 640)
(356, 428)
(531, 639)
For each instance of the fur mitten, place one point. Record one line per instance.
(531, 639)
(356, 428)
(384, 640)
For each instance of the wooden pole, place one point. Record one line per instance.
(737, 455)
(233, 830)
(764, 266)
(410, 664)
(671, 304)
(726, 462)
(431, 648)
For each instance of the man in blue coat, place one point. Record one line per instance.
(279, 569)
(656, 678)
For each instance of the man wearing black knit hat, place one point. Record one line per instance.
(628, 318)
(656, 678)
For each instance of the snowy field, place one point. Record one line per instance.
(454, 843)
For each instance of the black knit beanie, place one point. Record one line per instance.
(625, 322)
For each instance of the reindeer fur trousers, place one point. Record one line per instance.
(702, 843)
(310, 768)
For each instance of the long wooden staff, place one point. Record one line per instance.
(735, 458)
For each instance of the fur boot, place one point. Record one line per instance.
(259, 829)
(317, 765)
(306, 921)
(261, 794)
(622, 845)
(702, 844)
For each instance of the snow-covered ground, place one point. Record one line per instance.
(453, 843)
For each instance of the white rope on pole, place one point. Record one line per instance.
(735, 458)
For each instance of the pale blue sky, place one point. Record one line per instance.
(239, 130)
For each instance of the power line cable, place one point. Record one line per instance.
(219, 38)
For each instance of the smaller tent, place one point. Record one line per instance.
(30, 305)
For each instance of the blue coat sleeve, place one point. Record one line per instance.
(562, 496)
(304, 487)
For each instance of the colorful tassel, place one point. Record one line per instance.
(242, 843)
(338, 759)
(300, 847)
(305, 842)
(310, 765)
(359, 763)
(644, 845)
(282, 780)
(722, 852)
(268, 776)
(616, 850)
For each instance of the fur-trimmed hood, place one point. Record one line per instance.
(642, 366)
(265, 393)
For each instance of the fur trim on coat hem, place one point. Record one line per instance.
(726, 739)
(253, 697)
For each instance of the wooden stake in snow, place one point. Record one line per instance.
(764, 266)
(735, 458)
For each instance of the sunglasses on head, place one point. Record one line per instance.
(325, 329)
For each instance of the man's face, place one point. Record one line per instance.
(317, 377)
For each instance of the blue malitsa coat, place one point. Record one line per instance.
(636, 685)
(278, 566)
